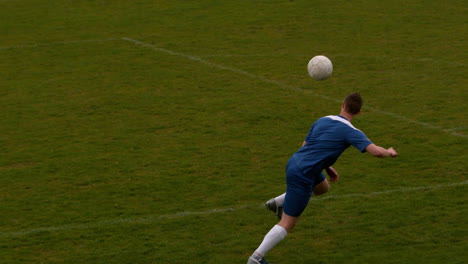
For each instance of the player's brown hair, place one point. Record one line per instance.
(353, 103)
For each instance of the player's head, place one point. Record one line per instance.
(352, 103)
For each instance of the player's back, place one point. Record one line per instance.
(325, 142)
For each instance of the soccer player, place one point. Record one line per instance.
(327, 139)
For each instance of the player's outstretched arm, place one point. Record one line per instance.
(380, 152)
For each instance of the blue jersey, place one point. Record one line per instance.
(327, 139)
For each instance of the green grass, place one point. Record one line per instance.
(117, 152)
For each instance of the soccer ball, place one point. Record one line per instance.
(320, 68)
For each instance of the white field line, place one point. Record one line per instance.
(283, 85)
(155, 219)
(211, 64)
(399, 190)
(458, 128)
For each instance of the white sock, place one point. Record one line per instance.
(272, 238)
(280, 199)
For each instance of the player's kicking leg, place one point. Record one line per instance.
(276, 205)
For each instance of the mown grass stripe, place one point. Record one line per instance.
(452, 132)
(57, 43)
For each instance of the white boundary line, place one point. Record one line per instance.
(282, 85)
(458, 128)
(155, 219)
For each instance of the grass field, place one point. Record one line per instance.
(153, 131)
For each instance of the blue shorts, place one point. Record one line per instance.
(298, 190)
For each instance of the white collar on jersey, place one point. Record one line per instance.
(342, 120)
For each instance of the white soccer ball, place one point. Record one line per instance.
(320, 68)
